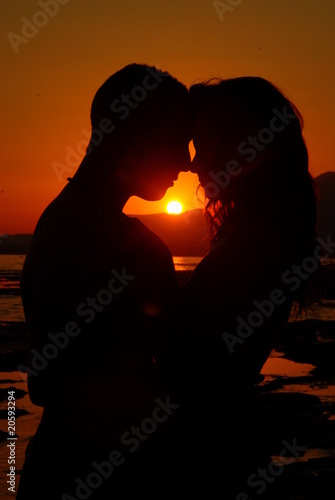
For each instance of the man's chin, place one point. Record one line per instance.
(152, 197)
(156, 195)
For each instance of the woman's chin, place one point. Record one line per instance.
(204, 182)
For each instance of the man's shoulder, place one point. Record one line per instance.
(147, 236)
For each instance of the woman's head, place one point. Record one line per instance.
(252, 160)
(249, 122)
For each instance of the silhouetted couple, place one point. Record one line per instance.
(147, 387)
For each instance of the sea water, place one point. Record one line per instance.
(11, 311)
(11, 305)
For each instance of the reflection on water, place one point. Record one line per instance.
(290, 372)
(322, 390)
(10, 272)
(10, 301)
(325, 311)
(308, 455)
(186, 263)
(11, 308)
(277, 366)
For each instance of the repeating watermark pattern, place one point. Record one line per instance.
(293, 278)
(88, 310)
(121, 108)
(249, 150)
(131, 440)
(40, 19)
(11, 445)
(228, 6)
(260, 480)
(135, 435)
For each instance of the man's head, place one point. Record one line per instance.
(141, 124)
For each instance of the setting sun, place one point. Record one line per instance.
(174, 207)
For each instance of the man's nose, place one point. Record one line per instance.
(185, 163)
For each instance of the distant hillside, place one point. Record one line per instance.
(184, 234)
(14, 243)
(326, 205)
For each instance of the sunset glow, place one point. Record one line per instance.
(51, 73)
(174, 207)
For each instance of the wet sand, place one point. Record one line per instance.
(296, 400)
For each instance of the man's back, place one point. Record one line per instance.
(96, 286)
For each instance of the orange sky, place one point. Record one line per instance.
(49, 80)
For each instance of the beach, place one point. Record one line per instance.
(295, 399)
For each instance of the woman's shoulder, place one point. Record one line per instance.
(252, 254)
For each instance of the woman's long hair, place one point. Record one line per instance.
(274, 183)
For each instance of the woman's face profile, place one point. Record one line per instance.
(215, 142)
(222, 135)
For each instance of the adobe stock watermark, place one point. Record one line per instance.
(121, 107)
(260, 480)
(40, 19)
(249, 149)
(228, 6)
(131, 440)
(88, 310)
(263, 310)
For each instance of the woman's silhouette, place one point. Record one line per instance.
(260, 206)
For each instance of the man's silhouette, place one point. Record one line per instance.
(96, 285)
